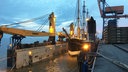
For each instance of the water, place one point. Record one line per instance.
(3, 54)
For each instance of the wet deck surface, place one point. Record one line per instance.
(63, 63)
(110, 51)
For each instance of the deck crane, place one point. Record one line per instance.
(108, 12)
(15, 31)
(19, 34)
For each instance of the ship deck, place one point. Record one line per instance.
(111, 58)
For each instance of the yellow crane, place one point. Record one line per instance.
(19, 34)
(22, 33)
(15, 31)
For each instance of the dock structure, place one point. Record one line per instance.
(111, 58)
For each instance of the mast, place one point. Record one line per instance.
(87, 25)
(78, 20)
(84, 22)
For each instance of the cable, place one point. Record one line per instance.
(33, 19)
(12, 67)
(44, 23)
(42, 27)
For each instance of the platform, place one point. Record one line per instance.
(111, 59)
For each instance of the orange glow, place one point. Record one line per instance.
(87, 19)
(30, 52)
(86, 47)
(10, 45)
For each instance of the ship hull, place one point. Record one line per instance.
(23, 58)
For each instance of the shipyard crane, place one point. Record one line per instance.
(112, 10)
(108, 12)
(19, 34)
(16, 31)
(22, 33)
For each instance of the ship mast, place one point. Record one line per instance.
(84, 21)
(87, 16)
(78, 20)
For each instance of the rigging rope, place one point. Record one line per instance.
(76, 15)
(31, 20)
(12, 68)
(43, 24)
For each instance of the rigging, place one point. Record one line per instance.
(30, 20)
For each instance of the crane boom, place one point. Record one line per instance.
(119, 16)
(101, 12)
(15, 31)
(110, 10)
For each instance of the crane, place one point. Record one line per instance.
(108, 12)
(15, 31)
(19, 34)
(119, 10)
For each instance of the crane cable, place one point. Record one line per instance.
(12, 67)
(43, 24)
(30, 20)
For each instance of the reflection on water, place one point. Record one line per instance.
(64, 63)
